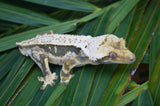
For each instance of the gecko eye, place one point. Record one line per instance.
(112, 55)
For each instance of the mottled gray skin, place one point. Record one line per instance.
(41, 52)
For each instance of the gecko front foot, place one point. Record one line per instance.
(48, 79)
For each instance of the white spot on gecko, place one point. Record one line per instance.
(55, 49)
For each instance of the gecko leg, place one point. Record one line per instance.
(65, 72)
(42, 61)
(68, 65)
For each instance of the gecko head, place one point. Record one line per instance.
(113, 50)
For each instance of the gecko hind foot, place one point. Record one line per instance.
(48, 79)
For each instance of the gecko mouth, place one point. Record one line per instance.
(118, 60)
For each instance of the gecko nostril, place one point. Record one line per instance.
(133, 59)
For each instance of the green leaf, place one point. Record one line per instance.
(136, 19)
(91, 16)
(146, 59)
(24, 16)
(98, 13)
(102, 79)
(55, 94)
(16, 29)
(10, 42)
(87, 79)
(154, 68)
(123, 29)
(12, 72)
(16, 81)
(139, 43)
(132, 85)
(125, 7)
(154, 84)
(144, 99)
(76, 5)
(154, 49)
(132, 95)
(6, 63)
(28, 90)
(5, 26)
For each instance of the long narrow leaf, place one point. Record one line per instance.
(125, 7)
(67, 4)
(154, 49)
(136, 19)
(23, 16)
(6, 63)
(99, 12)
(16, 81)
(130, 96)
(12, 73)
(87, 79)
(144, 99)
(154, 70)
(57, 92)
(30, 88)
(154, 84)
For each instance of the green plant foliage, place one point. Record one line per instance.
(144, 99)
(137, 21)
(133, 94)
(132, 85)
(77, 5)
(16, 81)
(24, 16)
(154, 84)
(154, 67)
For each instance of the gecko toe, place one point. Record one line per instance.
(40, 79)
(52, 83)
(43, 86)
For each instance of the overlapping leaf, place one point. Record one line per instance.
(16, 81)
(6, 62)
(24, 16)
(154, 81)
(77, 5)
(144, 99)
(132, 95)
